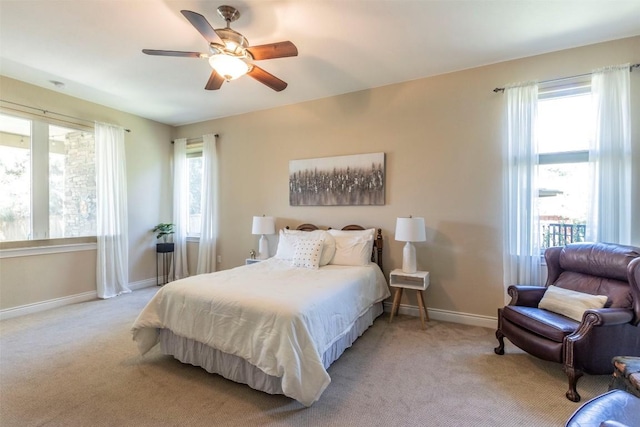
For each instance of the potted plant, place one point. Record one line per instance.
(164, 232)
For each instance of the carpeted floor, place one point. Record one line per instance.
(77, 366)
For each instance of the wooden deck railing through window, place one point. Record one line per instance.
(558, 234)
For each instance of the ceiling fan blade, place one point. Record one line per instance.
(267, 78)
(172, 53)
(202, 25)
(273, 50)
(215, 81)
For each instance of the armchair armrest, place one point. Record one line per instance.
(599, 317)
(608, 316)
(527, 296)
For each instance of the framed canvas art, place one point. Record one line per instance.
(337, 181)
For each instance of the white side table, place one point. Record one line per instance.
(418, 281)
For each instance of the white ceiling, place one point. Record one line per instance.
(94, 46)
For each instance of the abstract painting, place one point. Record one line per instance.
(337, 181)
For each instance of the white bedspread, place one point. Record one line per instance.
(278, 318)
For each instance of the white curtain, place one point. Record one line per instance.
(112, 272)
(209, 206)
(610, 157)
(180, 208)
(521, 230)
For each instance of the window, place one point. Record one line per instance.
(564, 132)
(47, 178)
(567, 167)
(15, 183)
(194, 165)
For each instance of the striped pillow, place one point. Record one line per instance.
(570, 303)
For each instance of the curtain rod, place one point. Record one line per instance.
(197, 139)
(45, 112)
(501, 89)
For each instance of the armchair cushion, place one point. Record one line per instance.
(617, 291)
(549, 325)
(570, 303)
(598, 259)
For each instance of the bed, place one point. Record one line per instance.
(276, 325)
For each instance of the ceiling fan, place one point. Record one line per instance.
(230, 54)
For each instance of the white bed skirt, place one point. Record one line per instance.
(239, 370)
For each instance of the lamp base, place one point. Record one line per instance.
(263, 248)
(409, 258)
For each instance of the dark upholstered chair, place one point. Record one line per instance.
(615, 408)
(620, 407)
(590, 344)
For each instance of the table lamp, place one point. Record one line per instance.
(263, 225)
(410, 230)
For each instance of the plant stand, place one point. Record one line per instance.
(164, 257)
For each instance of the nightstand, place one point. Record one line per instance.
(251, 261)
(418, 281)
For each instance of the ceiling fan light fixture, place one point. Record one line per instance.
(229, 67)
(230, 55)
(234, 42)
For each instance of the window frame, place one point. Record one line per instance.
(194, 150)
(39, 176)
(580, 85)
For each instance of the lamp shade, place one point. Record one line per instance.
(410, 230)
(263, 225)
(229, 67)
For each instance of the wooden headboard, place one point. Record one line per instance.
(306, 227)
(378, 243)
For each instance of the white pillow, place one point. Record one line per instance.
(289, 239)
(307, 253)
(368, 232)
(570, 303)
(286, 246)
(352, 250)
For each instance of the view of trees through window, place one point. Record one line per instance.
(39, 202)
(564, 134)
(195, 190)
(15, 181)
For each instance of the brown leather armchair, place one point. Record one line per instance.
(589, 345)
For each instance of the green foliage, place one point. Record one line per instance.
(195, 185)
(164, 230)
(563, 233)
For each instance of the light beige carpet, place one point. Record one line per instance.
(77, 366)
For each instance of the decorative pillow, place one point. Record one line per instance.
(570, 303)
(352, 250)
(307, 253)
(291, 238)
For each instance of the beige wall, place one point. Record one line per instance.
(33, 279)
(443, 142)
(442, 138)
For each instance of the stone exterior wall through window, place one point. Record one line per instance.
(79, 185)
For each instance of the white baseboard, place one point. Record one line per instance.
(448, 316)
(36, 307)
(434, 313)
(146, 283)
